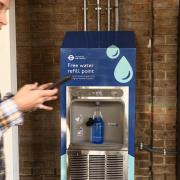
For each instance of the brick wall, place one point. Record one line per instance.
(41, 25)
(178, 104)
(165, 95)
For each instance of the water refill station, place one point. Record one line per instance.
(98, 106)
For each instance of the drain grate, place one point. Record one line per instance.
(114, 167)
(97, 167)
(78, 167)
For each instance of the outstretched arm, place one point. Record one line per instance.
(29, 97)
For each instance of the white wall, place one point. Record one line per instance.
(8, 83)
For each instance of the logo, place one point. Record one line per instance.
(123, 72)
(71, 57)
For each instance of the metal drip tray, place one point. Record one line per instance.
(106, 145)
(97, 165)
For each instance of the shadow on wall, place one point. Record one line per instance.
(38, 44)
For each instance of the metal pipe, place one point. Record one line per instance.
(109, 15)
(163, 151)
(98, 9)
(85, 15)
(116, 15)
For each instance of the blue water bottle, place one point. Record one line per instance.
(97, 128)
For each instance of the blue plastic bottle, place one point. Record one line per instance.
(97, 129)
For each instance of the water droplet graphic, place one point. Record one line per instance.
(123, 72)
(113, 52)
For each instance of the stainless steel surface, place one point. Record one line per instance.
(109, 15)
(113, 113)
(114, 107)
(85, 15)
(98, 9)
(96, 165)
(107, 145)
(96, 92)
(107, 161)
(116, 15)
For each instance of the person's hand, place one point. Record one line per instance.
(31, 97)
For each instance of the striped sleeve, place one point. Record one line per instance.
(9, 115)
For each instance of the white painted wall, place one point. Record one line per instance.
(8, 83)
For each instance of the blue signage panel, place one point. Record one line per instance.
(99, 59)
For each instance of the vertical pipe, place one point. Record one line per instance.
(116, 15)
(85, 15)
(152, 86)
(109, 15)
(98, 15)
